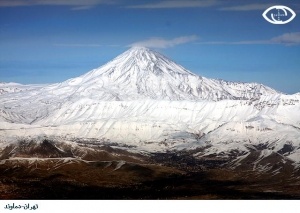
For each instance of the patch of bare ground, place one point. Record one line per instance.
(20, 176)
(65, 171)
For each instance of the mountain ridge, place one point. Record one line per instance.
(140, 118)
(143, 99)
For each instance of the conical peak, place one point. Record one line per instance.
(139, 50)
(142, 73)
(137, 64)
(144, 54)
(144, 59)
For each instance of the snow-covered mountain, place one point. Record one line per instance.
(140, 73)
(137, 74)
(143, 100)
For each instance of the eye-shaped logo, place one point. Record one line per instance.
(279, 14)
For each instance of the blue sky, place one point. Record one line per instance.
(48, 41)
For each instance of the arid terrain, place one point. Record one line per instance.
(102, 172)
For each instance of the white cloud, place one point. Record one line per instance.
(14, 3)
(164, 43)
(85, 45)
(285, 39)
(234, 42)
(76, 4)
(78, 45)
(247, 7)
(177, 4)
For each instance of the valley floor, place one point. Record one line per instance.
(187, 186)
(76, 179)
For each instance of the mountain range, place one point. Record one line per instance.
(144, 103)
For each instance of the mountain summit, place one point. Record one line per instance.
(140, 73)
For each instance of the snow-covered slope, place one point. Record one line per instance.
(15, 87)
(140, 73)
(137, 74)
(145, 100)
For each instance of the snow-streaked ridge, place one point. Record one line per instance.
(145, 100)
